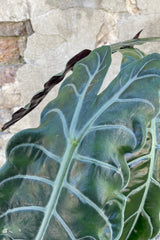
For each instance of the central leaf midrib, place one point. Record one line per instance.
(65, 164)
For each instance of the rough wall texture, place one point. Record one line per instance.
(38, 37)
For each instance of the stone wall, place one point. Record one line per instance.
(38, 37)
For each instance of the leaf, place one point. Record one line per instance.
(64, 179)
(143, 191)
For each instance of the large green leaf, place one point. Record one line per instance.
(64, 179)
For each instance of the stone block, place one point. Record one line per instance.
(39, 8)
(8, 74)
(22, 42)
(10, 96)
(9, 29)
(40, 48)
(9, 50)
(72, 24)
(14, 10)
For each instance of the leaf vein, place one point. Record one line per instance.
(28, 177)
(65, 226)
(43, 149)
(63, 120)
(139, 160)
(132, 215)
(73, 87)
(144, 65)
(97, 162)
(26, 208)
(86, 68)
(149, 221)
(91, 203)
(135, 190)
(121, 127)
(137, 100)
(155, 182)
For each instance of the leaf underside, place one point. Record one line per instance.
(67, 178)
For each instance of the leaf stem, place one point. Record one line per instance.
(50, 208)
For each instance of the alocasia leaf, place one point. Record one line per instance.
(143, 191)
(65, 179)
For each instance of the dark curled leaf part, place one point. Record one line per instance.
(37, 98)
